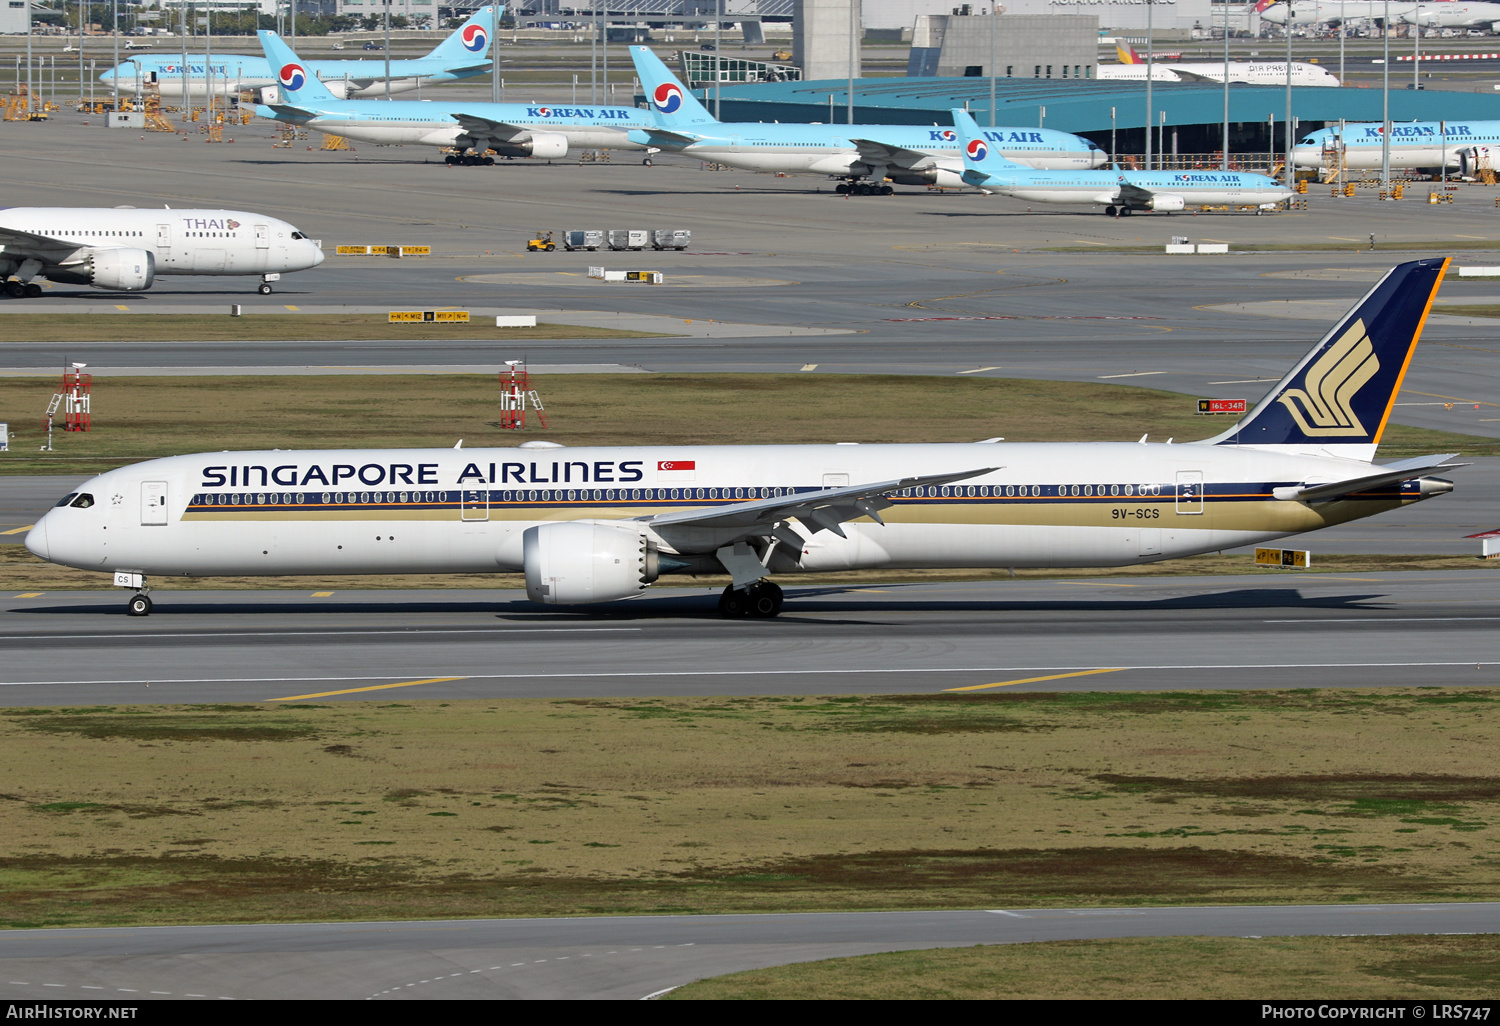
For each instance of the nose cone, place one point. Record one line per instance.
(1307, 156)
(36, 540)
(318, 255)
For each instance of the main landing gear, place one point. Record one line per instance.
(853, 188)
(761, 601)
(468, 160)
(22, 289)
(1120, 211)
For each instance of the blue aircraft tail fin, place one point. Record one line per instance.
(671, 104)
(980, 156)
(471, 41)
(296, 82)
(1338, 398)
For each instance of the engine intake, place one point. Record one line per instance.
(1166, 202)
(581, 561)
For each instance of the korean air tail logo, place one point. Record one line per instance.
(293, 77)
(475, 39)
(977, 150)
(1332, 382)
(667, 98)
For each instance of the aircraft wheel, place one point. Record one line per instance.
(886, 190)
(139, 605)
(765, 600)
(489, 161)
(15, 289)
(842, 188)
(33, 290)
(450, 160)
(734, 605)
(1109, 211)
(647, 162)
(265, 288)
(1124, 211)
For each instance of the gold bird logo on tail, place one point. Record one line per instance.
(1332, 382)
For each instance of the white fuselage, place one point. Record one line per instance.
(465, 511)
(1413, 145)
(1254, 73)
(438, 129)
(218, 242)
(1333, 12)
(1100, 188)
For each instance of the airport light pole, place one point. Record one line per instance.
(1342, 22)
(1385, 100)
(1290, 171)
(1112, 135)
(1150, 65)
(992, 65)
(494, 55)
(1224, 154)
(114, 19)
(853, 61)
(1416, 50)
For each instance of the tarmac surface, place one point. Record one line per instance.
(621, 958)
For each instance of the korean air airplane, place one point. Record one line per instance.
(597, 524)
(124, 249)
(464, 54)
(905, 154)
(510, 129)
(1118, 192)
(1465, 145)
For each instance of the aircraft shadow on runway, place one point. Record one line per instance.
(799, 601)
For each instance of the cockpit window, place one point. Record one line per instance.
(84, 501)
(67, 499)
(1309, 141)
(298, 235)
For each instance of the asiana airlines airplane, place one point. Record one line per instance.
(594, 525)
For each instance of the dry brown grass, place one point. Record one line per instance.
(273, 328)
(407, 808)
(1166, 968)
(141, 418)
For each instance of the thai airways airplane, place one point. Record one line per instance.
(1118, 192)
(1132, 68)
(1451, 14)
(124, 249)
(510, 129)
(597, 524)
(1332, 12)
(1465, 145)
(906, 154)
(461, 56)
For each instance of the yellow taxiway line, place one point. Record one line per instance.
(373, 687)
(1008, 683)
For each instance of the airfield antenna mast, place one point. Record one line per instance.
(1291, 170)
(517, 393)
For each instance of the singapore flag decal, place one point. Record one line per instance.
(668, 471)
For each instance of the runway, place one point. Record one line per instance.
(624, 958)
(1270, 630)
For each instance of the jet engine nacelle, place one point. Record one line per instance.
(1475, 158)
(579, 561)
(928, 176)
(542, 145)
(1160, 202)
(119, 270)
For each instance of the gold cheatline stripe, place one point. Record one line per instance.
(1007, 683)
(373, 687)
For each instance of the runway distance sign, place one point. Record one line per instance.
(429, 316)
(1300, 559)
(1217, 406)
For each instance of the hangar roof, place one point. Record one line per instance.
(1084, 106)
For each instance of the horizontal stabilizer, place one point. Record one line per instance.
(1390, 473)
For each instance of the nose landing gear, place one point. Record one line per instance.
(139, 605)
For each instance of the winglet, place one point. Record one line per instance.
(1338, 399)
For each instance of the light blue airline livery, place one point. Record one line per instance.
(510, 129)
(904, 154)
(1466, 145)
(1118, 192)
(464, 54)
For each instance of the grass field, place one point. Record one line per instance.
(1382, 245)
(1167, 968)
(272, 328)
(1467, 309)
(139, 418)
(410, 808)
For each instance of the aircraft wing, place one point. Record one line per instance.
(1190, 76)
(475, 125)
(24, 244)
(821, 510)
(876, 153)
(1390, 473)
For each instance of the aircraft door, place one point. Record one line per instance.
(1190, 491)
(262, 236)
(164, 236)
(153, 503)
(476, 505)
